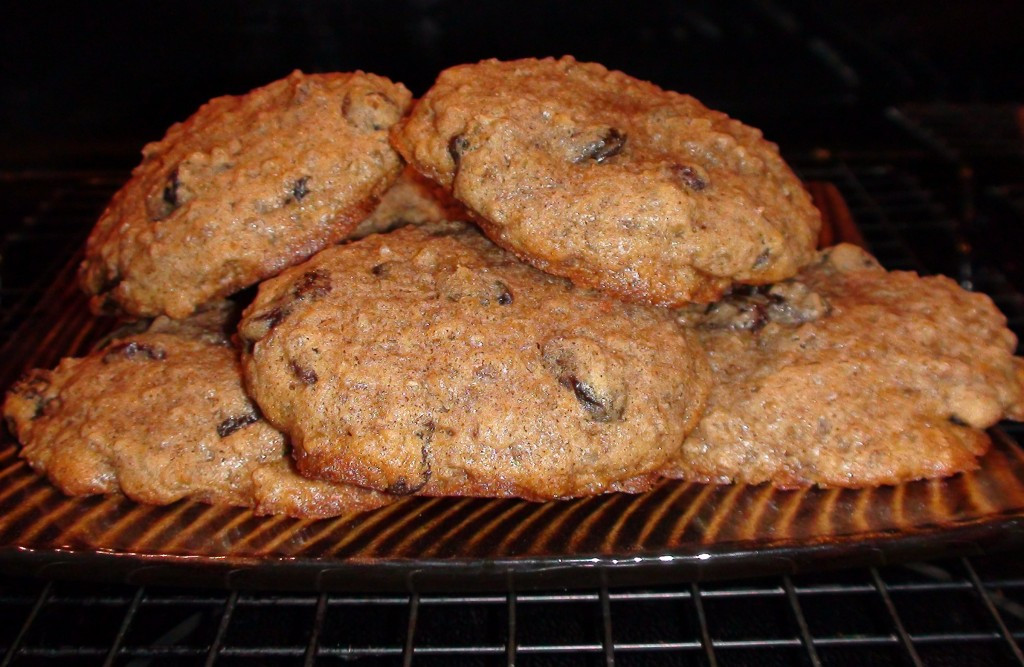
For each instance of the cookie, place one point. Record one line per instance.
(430, 361)
(245, 187)
(611, 181)
(161, 416)
(850, 376)
(413, 199)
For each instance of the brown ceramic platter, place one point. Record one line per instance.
(677, 532)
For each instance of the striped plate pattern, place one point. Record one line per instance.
(676, 523)
(674, 518)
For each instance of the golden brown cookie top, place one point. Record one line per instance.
(430, 361)
(850, 375)
(162, 416)
(611, 181)
(245, 187)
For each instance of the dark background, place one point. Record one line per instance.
(86, 84)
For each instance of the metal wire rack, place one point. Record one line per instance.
(966, 610)
(962, 611)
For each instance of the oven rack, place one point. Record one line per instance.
(947, 612)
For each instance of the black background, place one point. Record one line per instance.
(86, 84)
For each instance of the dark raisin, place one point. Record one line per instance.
(380, 270)
(426, 434)
(690, 177)
(272, 317)
(504, 293)
(456, 147)
(401, 486)
(744, 310)
(609, 145)
(300, 190)
(166, 200)
(498, 292)
(600, 410)
(307, 375)
(312, 285)
(232, 424)
(758, 317)
(260, 325)
(134, 351)
(170, 195)
(595, 377)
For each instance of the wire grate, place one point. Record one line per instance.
(813, 618)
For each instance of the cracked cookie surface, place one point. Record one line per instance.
(430, 361)
(611, 181)
(850, 376)
(161, 416)
(245, 187)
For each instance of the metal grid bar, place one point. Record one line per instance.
(410, 632)
(607, 641)
(511, 642)
(15, 646)
(691, 644)
(705, 636)
(218, 643)
(901, 632)
(314, 635)
(129, 616)
(991, 607)
(805, 632)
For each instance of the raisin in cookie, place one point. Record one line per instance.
(850, 376)
(611, 181)
(245, 187)
(430, 361)
(161, 416)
